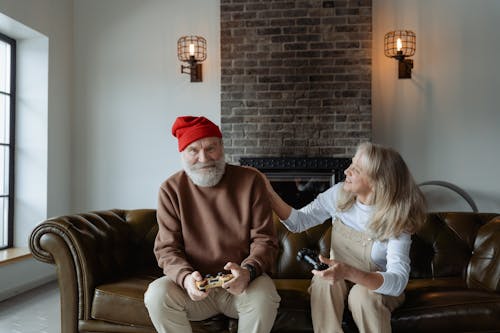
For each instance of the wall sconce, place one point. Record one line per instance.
(193, 50)
(400, 44)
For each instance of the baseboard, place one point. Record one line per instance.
(20, 277)
(6, 294)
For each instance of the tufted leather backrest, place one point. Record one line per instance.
(125, 236)
(461, 244)
(145, 227)
(464, 245)
(483, 271)
(445, 245)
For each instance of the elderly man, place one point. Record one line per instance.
(212, 217)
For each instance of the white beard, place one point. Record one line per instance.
(208, 177)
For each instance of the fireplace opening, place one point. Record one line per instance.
(299, 180)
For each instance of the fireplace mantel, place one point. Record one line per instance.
(333, 165)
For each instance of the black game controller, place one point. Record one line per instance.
(311, 257)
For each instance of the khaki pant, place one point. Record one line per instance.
(371, 311)
(171, 309)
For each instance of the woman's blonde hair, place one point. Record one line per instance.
(399, 205)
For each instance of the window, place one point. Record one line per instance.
(7, 135)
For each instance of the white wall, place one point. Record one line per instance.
(112, 90)
(53, 19)
(128, 92)
(445, 120)
(43, 31)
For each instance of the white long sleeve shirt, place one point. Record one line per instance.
(391, 256)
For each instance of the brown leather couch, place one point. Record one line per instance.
(105, 263)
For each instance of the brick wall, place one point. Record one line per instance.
(296, 77)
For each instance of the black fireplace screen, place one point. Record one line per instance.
(299, 180)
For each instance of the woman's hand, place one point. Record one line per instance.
(281, 208)
(266, 181)
(336, 271)
(341, 271)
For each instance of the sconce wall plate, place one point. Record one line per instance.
(193, 50)
(401, 44)
(404, 68)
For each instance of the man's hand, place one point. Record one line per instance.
(190, 285)
(240, 281)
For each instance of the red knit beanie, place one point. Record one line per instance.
(188, 129)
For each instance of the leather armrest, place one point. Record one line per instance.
(93, 248)
(483, 271)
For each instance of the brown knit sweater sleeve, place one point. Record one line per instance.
(264, 243)
(169, 246)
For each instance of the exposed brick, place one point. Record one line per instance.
(285, 23)
(268, 31)
(282, 39)
(256, 71)
(347, 11)
(244, 142)
(295, 77)
(270, 142)
(341, 3)
(231, 103)
(308, 21)
(309, 38)
(328, 4)
(257, 135)
(256, 23)
(281, 87)
(295, 46)
(267, 79)
(239, 15)
(334, 152)
(270, 14)
(295, 13)
(283, 5)
(257, 6)
(227, 8)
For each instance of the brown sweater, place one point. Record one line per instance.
(203, 228)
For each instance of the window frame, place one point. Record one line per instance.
(12, 143)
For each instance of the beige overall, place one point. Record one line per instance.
(371, 311)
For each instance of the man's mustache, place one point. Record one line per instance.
(201, 165)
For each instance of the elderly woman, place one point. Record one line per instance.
(374, 212)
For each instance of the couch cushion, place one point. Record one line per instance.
(122, 302)
(294, 313)
(419, 285)
(448, 310)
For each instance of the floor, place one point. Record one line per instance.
(36, 311)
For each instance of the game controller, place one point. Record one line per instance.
(311, 257)
(211, 281)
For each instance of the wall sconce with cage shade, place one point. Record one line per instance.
(193, 50)
(401, 44)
